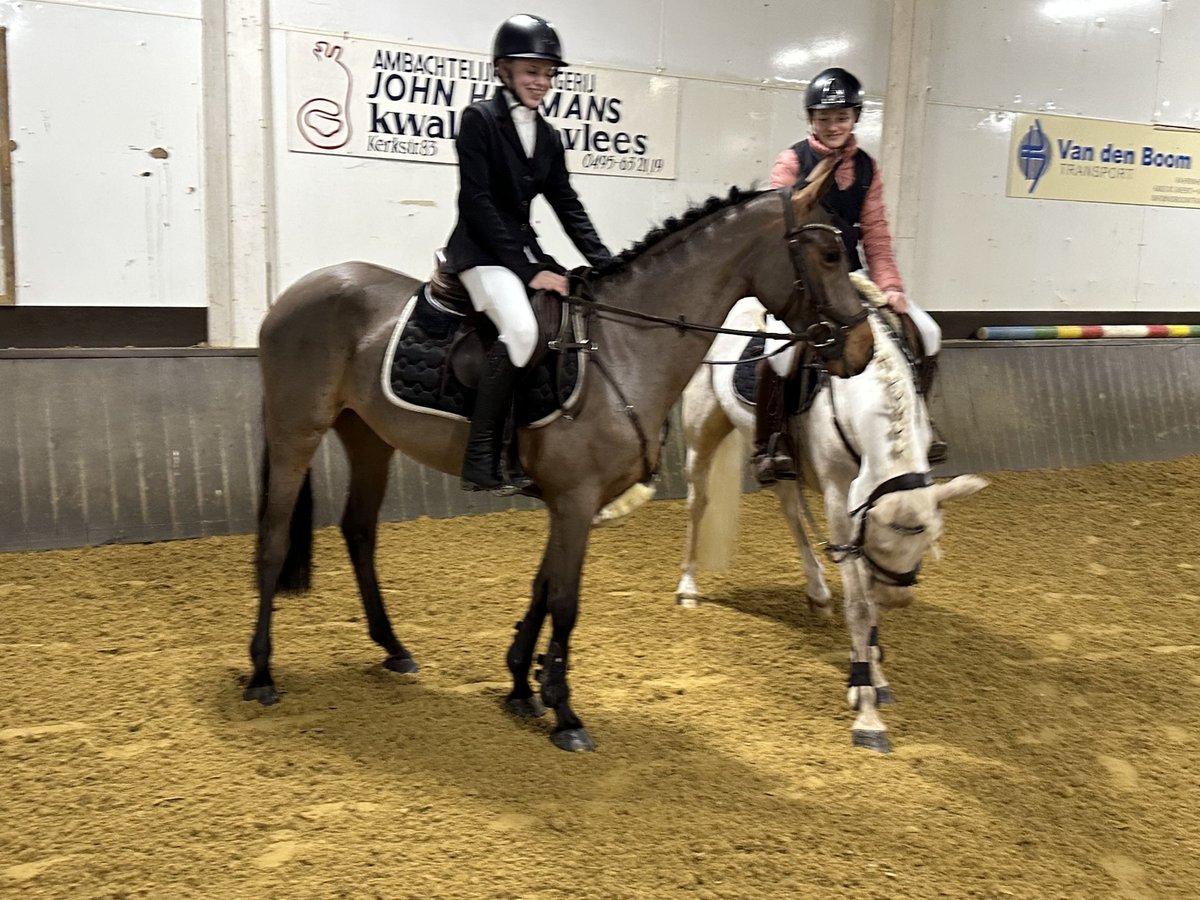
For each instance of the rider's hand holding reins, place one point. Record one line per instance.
(546, 280)
(896, 300)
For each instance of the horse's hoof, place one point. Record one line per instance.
(884, 696)
(264, 694)
(822, 611)
(871, 740)
(687, 601)
(573, 740)
(530, 707)
(405, 665)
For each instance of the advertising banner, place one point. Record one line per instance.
(1068, 158)
(402, 102)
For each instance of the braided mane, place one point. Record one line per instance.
(655, 236)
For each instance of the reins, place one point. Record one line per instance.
(581, 295)
(827, 335)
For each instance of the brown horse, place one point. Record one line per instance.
(322, 347)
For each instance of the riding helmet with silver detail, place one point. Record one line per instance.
(525, 36)
(834, 89)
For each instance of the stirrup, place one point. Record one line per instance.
(773, 463)
(470, 485)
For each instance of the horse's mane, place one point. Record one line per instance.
(896, 382)
(655, 236)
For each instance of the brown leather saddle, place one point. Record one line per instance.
(477, 331)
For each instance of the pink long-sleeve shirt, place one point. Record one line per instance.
(876, 236)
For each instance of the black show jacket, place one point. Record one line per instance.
(497, 183)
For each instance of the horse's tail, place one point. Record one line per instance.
(718, 526)
(296, 575)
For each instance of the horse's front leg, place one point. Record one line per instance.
(816, 591)
(558, 580)
(866, 686)
(521, 700)
(883, 693)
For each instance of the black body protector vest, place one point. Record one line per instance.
(845, 206)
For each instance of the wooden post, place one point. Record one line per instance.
(8, 286)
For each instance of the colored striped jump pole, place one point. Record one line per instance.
(1056, 332)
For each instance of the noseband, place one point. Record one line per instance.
(827, 336)
(858, 549)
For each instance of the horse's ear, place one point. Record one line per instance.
(962, 486)
(819, 180)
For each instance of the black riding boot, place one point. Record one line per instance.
(481, 465)
(772, 458)
(939, 450)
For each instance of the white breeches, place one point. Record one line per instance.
(931, 335)
(781, 362)
(499, 293)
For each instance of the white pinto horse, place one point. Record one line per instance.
(864, 441)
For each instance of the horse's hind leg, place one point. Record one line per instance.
(369, 456)
(705, 427)
(687, 593)
(285, 474)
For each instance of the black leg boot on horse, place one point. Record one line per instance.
(773, 459)
(481, 470)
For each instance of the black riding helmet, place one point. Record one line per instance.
(834, 89)
(527, 37)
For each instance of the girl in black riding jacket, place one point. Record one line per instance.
(507, 155)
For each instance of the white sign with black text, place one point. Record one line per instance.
(400, 101)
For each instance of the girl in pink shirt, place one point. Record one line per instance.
(834, 101)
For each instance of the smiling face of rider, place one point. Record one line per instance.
(528, 79)
(833, 127)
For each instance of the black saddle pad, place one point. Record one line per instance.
(745, 373)
(801, 388)
(420, 376)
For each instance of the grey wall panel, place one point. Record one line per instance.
(153, 446)
(1035, 404)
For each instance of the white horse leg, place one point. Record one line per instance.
(696, 466)
(791, 500)
(706, 431)
(858, 603)
(868, 729)
(883, 693)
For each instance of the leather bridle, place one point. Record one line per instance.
(827, 336)
(910, 481)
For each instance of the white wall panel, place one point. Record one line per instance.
(98, 220)
(184, 8)
(1170, 266)
(619, 33)
(767, 41)
(1013, 55)
(1179, 71)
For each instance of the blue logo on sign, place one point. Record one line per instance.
(1033, 156)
